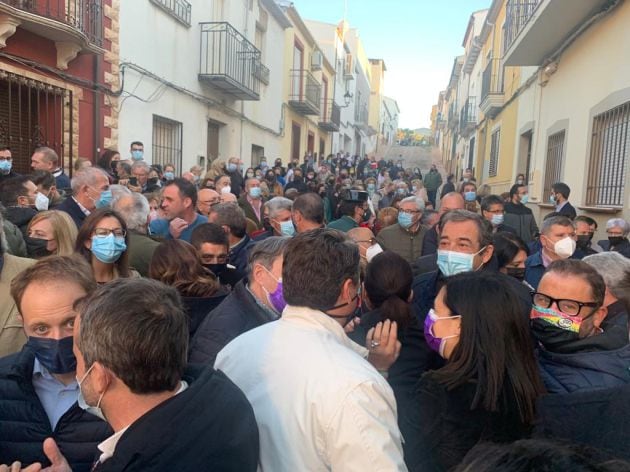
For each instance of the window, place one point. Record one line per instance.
(608, 165)
(178, 9)
(494, 153)
(553, 167)
(167, 142)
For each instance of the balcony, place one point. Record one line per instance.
(178, 9)
(261, 72)
(305, 92)
(492, 88)
(229, 62)
(534, 29)
(453, 118)
(74, 25)
(330, 117)
(361, 117)
(468, 117)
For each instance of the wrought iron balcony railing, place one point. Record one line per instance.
(330, 116)
(518, 14)
(86, 16)
(229, 61)
(305, 92)
(468, 116)
(178, 9)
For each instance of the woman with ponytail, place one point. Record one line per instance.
(387, 295)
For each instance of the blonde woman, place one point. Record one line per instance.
(51, 232)
(417, 189)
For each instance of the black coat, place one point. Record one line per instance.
(598, 419)
(238, 255)
(208, 426)
(197, 308)
(415, 355)
(238, 313)
(72, 209)
(20, 217)
(430, 242)
(24, 424)
(439, 427)
(568, 210)
(623, 248)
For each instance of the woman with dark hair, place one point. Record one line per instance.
(489, 386)
(510, 252)
(109, 162)
(387, 294)
(103, 241)
(177, 264)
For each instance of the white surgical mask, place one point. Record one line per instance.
(565, 247)
(497, 220)
(372, 251)
(94, 410)
(41, 202)
(227, 189)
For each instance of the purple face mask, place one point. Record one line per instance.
(276, 298)
(436, 344)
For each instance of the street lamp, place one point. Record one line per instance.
(347, 98)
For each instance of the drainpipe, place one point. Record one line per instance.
(97, 108)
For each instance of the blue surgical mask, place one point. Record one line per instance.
(137, 155)
(470, 196)
(287, 228)
(453, 263)
(552, 198)
(108, 249)
(255, 192)
(405, 220)
(525, 199)
(94, 410)
(232, 167)
(5, 166)
(371, 187)
(169, 175)
(401, 191)
(104, 200)
(54, 354)
(497, 220)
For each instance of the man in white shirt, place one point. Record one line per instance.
(319, 404)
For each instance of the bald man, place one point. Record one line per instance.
(368, 247)
(450, 201)
(206, 198)
(228, 198)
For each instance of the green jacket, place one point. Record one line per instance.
(432, 181)
(344, 224)
(141, 248)
(407, 245)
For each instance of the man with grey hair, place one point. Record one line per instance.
(45, 158)
(615, 270)
(232, 219)
(90, 190)
(139, 181)
(277, 212)
(617, 230)
(405, 238)
(255, 300)
(134, 209)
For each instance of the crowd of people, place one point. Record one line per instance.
(339, 313)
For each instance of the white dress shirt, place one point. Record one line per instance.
(319, 404)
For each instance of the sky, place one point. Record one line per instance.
(417, 39)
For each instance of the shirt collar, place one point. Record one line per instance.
(108, 447)
(272, 315)
(560, 205)
(85, 211)
(57, 172)
(40, 370)
(323, 322)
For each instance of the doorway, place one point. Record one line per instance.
(213, 141)
(295, 141)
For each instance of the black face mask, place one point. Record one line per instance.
(216, 269)
(616, 240)
(298, 180)
(152, 181)
(349, 317)
(36, 247)
(583, 241)
(517, 272)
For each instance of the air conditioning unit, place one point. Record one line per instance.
(348, 70)
(316, 60)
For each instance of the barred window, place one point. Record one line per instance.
(494, 153)
(553, 167)
(167, 142)
(608, 164)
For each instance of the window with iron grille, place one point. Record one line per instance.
(494, 153)
(608, 164)
(178, 9)
(167, 142)
(553, 166)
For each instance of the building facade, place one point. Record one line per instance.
(58, 78)
(535, 61)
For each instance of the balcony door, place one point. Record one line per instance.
(298, 65)
(324, 107)
(295, 141)
(310, 146)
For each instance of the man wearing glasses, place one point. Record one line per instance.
(405, 238)
(575, 352)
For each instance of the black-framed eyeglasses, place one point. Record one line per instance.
(570, 307)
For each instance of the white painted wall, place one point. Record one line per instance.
(170, 50)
